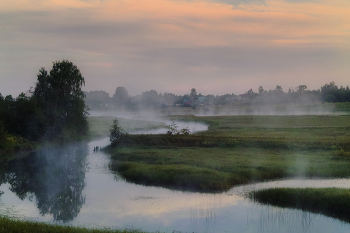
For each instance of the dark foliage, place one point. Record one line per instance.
(55, 109)
(116, 132)
(154, 100)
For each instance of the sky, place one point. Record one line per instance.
(215, 46)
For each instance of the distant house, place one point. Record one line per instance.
(187, 102)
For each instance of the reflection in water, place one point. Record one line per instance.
(272, 219)
(73, 185)
(54, 177)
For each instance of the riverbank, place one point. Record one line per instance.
(18, 226)
(237, 150)
(13, 147)
(332, 202)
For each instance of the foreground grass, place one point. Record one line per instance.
(332, 202)
(16, 226)
(237, 150)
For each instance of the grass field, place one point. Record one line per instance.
(332, 202)
(237, 150)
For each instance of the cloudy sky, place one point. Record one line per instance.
(216, 46)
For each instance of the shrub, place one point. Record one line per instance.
(172, 130)
(116, 132)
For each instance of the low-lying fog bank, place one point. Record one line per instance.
(267, 110)
(155, 121)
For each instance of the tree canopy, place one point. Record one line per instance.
(54, 109)
(60, 98)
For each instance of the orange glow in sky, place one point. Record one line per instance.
(156, 42)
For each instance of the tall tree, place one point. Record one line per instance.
(61, 99)
(279, 89)
(302, 88)
(121, 96)
(261, 90)
(193, 95)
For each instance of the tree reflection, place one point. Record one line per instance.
(54, 177)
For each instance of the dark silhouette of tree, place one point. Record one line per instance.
(261, 90)
(279, 89)
(61, 100)
(151, 99)
(121, 97)
(193, 95)
(302, 88)
(97, 99)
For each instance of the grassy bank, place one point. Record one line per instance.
(237, 150)
(16, 226)
(332, 202)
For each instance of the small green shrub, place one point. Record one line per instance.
(172, 130)
(116, 132)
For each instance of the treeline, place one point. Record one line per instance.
(53, 109)
(154, 100)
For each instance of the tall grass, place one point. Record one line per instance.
(331, 202)
(16, 226)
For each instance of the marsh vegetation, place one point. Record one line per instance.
(332, 202)
(237, 150)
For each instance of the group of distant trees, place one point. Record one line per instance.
(327, 93)
(54, 108)
(57, 107)
(122, 100)
(153, 100)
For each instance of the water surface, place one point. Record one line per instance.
(72, 185)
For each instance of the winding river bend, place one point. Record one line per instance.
(72, 185)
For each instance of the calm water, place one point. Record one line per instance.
(73, 186)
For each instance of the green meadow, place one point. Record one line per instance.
(237, 150)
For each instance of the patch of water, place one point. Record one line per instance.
(73, 186)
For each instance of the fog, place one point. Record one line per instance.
(296, 101)
(262, 110)
(151, 116)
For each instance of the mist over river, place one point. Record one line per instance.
(72, 185)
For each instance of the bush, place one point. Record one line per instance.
(116, 132)
(172, 130)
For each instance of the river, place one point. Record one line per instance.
(72, 185)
